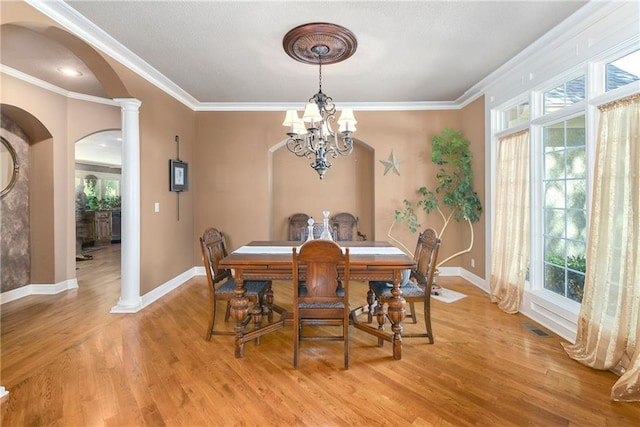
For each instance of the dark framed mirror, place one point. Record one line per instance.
(8, 167)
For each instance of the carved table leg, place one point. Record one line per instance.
(270, 305)
(380, 316)
(371, 299)
(239, 311)
(256, 315)
(397, 312)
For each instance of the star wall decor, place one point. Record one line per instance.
(392, 164)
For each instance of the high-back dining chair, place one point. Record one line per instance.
(222, 284)
(297, 227)
(321, 293)
(346, 227)
(418, 287)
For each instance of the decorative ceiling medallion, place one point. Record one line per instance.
(334, 42)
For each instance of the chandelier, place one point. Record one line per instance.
(313, 135)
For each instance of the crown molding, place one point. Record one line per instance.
(53, 88)
(70, 19)
(86, 30)
(359, 106)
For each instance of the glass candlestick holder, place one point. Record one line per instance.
(310, 229)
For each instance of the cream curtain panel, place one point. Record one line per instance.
(511, 231)
(609, 321)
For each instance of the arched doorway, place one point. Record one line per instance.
(98, 172)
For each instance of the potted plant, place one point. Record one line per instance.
(454, 197)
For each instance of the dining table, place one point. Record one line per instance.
(273, 260)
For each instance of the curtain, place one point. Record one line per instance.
(511, 231)
(609, 323)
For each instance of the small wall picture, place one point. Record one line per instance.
(179, 175)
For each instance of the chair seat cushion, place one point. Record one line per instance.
(382, 289)
(252, 287)
(321, 305)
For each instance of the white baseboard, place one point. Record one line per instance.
(535, 305)
(165, 288)
(3, 391)
(37, 289)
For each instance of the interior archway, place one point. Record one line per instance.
(346, 187)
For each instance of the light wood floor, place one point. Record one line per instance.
(67, 362)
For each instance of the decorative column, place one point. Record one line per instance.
(130, 300)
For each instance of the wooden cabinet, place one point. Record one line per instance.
(85, 229)
(103, 227)
(94, 228)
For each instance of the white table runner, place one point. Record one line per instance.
(354, 250)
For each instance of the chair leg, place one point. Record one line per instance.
(227, 314)
(427, 320)
(296, 342)
(345, 335)
(212, 319)
(413, 316)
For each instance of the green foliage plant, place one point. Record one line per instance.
(454, 197)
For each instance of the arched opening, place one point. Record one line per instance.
(98, 172)
(27, 208)
(99, 80)
(346, 187)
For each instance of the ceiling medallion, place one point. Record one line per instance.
(334, 41)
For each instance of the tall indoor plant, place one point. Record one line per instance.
(454, 197)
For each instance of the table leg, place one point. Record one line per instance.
(397, 313)
(239, 311)
(371, 301)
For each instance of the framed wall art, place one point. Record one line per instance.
(178, 175)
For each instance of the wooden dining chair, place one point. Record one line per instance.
(318, 298)
(222, 284)
(297, 227)
(416, 289)
(346, 227)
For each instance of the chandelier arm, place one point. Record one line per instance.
(297, 147)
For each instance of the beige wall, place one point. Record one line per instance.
(242, 179)
(473, 129)
(52, 172)
(248, 183)
(166, 242)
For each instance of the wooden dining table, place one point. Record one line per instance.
(272, 260)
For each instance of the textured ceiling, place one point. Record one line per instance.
(231, 51)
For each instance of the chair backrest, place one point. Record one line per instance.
(346, 227)
(326, 266)
(214, 249)
(298, 227)
(426, 256)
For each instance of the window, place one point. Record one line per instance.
(564, 95)
(515, 115)
(101, 190)
(564, 207)
(623, 71)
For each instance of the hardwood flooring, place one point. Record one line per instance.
(67, 362)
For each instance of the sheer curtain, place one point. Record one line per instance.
(609, 321)
(510, 251)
